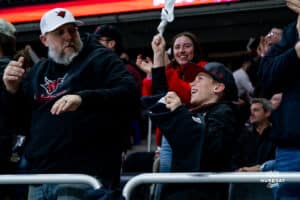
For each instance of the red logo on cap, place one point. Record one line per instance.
(214, 72)
(61, 14)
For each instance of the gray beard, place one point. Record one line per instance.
(63, 59)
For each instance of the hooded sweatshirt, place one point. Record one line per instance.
(88, 140)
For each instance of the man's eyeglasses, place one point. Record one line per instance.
(104, 39)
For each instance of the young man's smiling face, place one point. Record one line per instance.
(203, 89)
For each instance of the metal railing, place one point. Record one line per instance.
(230, 177)
(149, 134)
(50, 179)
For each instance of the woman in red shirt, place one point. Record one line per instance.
(164, 75)
(185, 50)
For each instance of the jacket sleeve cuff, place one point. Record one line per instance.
(159, 80)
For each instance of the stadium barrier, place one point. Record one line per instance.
(50, 179)
(228, 177)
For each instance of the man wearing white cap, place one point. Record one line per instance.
(74, 103)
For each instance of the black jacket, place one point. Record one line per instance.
(6, 129)
(279, 71)
(88, 140)
(252, 148)
(201, 141)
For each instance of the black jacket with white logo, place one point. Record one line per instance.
(88, 140)
(201, 141)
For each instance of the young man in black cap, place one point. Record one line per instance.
(201, 138)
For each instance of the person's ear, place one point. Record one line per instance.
(43, 39)
(219, 87)
(112, 44)
(268, 113)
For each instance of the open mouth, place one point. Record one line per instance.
(70, 46)
(183, 58)
(193, 91)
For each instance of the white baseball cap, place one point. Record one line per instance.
(55, 18)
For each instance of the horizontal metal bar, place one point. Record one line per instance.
(230, 177)
(50, 178)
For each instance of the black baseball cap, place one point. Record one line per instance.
(222, 74)
(109, 31)
(219, 72)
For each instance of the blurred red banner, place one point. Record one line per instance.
(81, 8)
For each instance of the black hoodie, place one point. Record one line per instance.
(88, 140)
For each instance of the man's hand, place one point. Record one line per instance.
(66, 103)
(294, 5)
(263, 47)
(13, 75)
(172, 101)
(255, 168)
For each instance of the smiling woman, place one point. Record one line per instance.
(17, 12)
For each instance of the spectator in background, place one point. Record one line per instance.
(201, 138)
(245, 88)
(275, 102)
(273, 36)
(254, 145)
(7, 130)
(259, 50)
(75, 125)
(110, 37)
(253, 149)
(7, 43)
(243, 83)
(279, 72)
